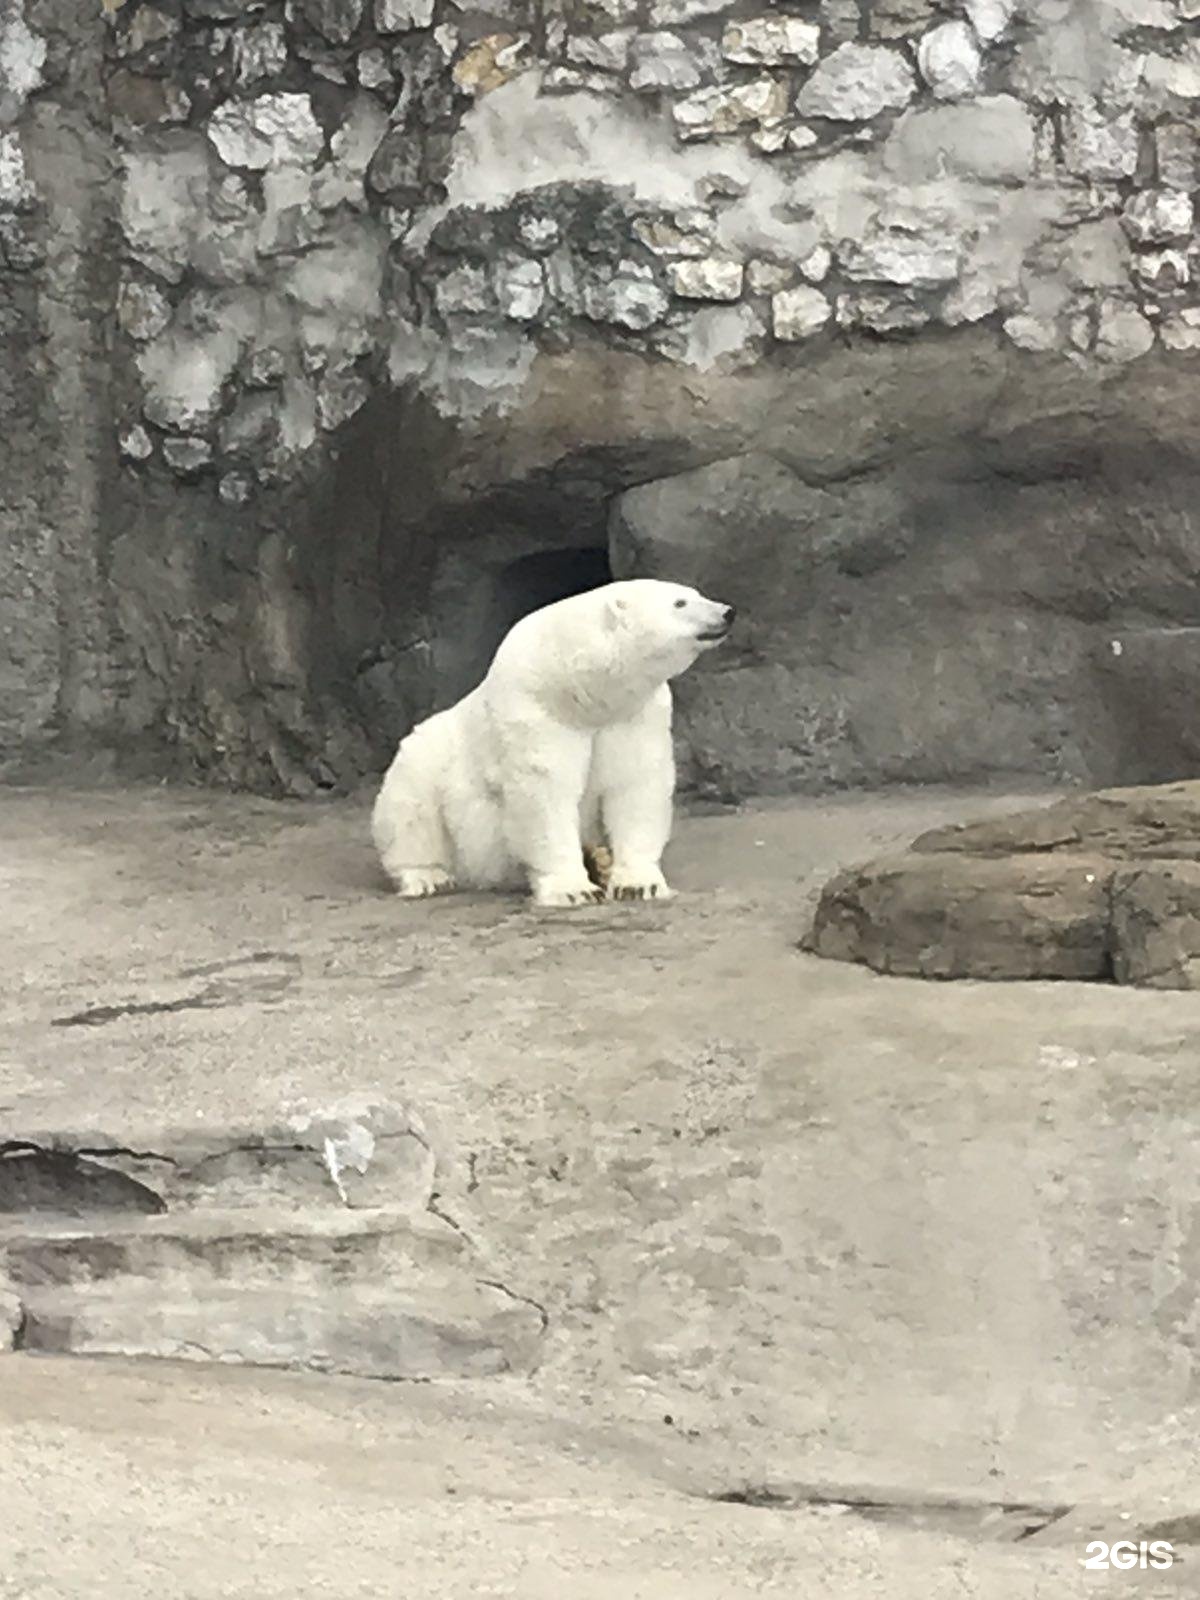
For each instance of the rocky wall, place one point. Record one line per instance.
(346, 329)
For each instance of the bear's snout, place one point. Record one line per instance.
(722, 620)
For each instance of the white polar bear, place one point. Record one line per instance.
(565, 743)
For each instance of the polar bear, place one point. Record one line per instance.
(565, 747)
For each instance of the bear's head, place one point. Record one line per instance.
(665, 622)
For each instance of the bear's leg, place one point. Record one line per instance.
(546, 768)
(635, 775)
(597, 857)
(412, 842)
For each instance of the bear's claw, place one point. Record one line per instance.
(569, 892)
(644, 884)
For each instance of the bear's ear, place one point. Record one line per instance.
(614, 612)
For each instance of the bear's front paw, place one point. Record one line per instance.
(418, 883)
(637, 883)
(576, 890)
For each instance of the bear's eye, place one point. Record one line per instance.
(679, 604)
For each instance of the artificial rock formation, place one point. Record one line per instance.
(1105, 887)
(343, 329)
(180, 1253)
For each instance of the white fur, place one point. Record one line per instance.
(566, 742)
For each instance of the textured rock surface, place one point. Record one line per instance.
(957, 578)
(1049, 894)
(374, 1300)
(1156, 925)
(771, 41)
(480, 1494)
(856, 83)
(796, 313)
(950, 61)
(317, 1243)
(955, 916)
(370, 268)
(727, 1164)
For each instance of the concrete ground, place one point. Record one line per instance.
(919, 1250)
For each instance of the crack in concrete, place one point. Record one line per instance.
(432, 1205)
(522, 1299)
(202, 1350)
(100, 1152)
(96, 1016)
(1055, 1514)
(249, 1150)
(985, 1519)
(286, 958)
(434, 1209)
(212, 997)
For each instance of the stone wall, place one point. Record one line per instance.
(879, 318)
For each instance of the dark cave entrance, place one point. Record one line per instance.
(504, 593)
(416, 571)
(538, 580)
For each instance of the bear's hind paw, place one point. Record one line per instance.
(419, 883)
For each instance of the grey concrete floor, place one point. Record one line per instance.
(793, 1224)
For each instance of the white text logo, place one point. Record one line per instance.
(1125, 1554)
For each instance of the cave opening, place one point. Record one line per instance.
(533, 581)
(507, 592)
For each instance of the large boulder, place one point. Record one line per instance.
(953, 916)
(1106, 886)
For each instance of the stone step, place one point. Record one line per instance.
(359, 1155)
(371, 1334)
(239, 1246)
(378, 1294)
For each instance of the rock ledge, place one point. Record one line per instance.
(1104, 887)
